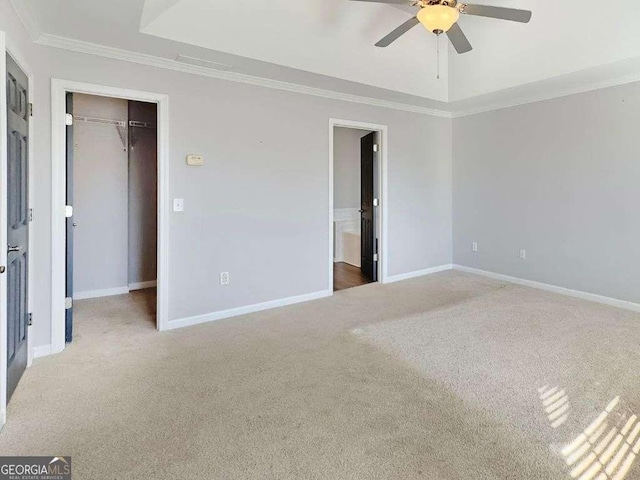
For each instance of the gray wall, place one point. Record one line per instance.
(100, 181)
(560, 179)
(346, 167)
(263, 188)
(143, 194)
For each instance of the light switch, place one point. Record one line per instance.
(195, 160)
(178, 204)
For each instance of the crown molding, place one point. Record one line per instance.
(65, 43)
(549, 95)
(160, 62)
(31, 25)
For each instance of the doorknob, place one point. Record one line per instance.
(74, 224)
(13, 249)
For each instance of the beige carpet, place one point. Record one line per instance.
(443, 377)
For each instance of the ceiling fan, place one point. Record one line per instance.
(441, 16)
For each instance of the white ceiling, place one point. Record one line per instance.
(328, 44)
(328, 37)
(335, 38)
(564, 36)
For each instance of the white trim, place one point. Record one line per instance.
(541, 97)
(3, 231)
(592, 297)
(419, 273)
(234, 312)
(41, 351)
(382, 188)
(142, 285)
(34, 30)
(31, 25)
(59, 88)
(166, 63)
(108, 292)
(105, 292)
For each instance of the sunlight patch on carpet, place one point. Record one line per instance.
(607, 448)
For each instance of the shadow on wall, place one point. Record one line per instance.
(606, 449)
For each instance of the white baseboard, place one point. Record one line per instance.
(592, 297)
(107, 292)
(142, 285)
(234, 312)
(41, 351)
(418, 273)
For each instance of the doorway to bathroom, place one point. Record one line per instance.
(356, 198)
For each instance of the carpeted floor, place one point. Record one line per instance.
(450, 376)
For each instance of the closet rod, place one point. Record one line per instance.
(134, 123)
(103, 121)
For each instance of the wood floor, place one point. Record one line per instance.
(347, 276)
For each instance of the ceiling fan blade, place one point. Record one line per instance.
(459, 39)
(398, 2)
(398, 32)
(513, 14)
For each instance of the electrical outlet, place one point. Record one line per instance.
(178, 204)
(224, 278)
(523, 254)
(474, 247)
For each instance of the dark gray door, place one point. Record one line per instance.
(367, 214)
(68, 332)
(18, 112)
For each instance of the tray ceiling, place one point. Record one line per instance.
(328, 37)
(336, 37)
(329, 44)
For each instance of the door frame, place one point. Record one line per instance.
(59, 89)
(8, 48)
(383, 200)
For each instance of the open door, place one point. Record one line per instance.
(369, 264)
(68, 331)
(18, 113)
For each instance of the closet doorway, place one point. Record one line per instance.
(112, 192)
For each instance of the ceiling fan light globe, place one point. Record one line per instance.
(438, 18)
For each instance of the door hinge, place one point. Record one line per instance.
(68, 303)
(375, 147)
(30, 109)
(31, 214)
(30, 319)
(69, 119)
(68, 211)
(375, 257)
(376, 202)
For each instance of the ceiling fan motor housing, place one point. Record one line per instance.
(427, 3)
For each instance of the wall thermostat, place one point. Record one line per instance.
(195, 160)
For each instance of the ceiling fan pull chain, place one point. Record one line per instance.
(438, 56)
